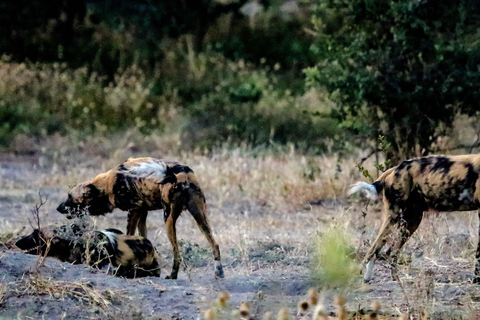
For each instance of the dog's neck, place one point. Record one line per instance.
(104, 182)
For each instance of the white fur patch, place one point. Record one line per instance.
(368, 189)
(110, 235)
(154, 170)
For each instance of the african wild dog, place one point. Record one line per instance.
(143, 184)
(441, 183)
(133, 255)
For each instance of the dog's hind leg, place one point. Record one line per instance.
(407, 225)
(172, 236)
(132, 221)
(196, 206)
(476, 278)
(399, 229)
(142, 223)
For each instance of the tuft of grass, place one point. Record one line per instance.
(82, 291)
(333, 264)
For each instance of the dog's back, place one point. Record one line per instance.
(443, 183)
(151, 184)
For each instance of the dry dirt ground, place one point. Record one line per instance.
(266, 254)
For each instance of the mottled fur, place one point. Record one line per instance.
(133, 256)
(440, 183)
(140, 185)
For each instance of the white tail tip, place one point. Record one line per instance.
(368, 189)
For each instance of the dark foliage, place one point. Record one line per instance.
(401, 69)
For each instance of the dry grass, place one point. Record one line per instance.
(81, 291)
(280, 181)
(3, 291)
(8, 238)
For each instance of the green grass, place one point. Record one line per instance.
(333, 263)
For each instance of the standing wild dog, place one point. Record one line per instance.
(133, 255)
(142, 184)
(441, 183)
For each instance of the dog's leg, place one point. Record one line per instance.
(410, 221)
(371, 256)
(172, 236)
(196, 206)
(476, 278)
(142, 223)
(132, 221)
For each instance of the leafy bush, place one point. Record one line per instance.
(401, 69)
(275, 119)
(271, 36)
(206, 98)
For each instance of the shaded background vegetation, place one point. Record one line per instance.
(233, 71)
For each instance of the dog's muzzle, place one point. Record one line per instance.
(62, 208)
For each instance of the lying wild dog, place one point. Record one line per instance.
(133, 255)
(441, 183)
(138, 186)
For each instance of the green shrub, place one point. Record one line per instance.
(400, 69)
(206, 98)
(41, 99)
(333, 264)
(274, 119)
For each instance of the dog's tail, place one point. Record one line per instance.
(112, 235)
(370, 190)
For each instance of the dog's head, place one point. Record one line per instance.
(60, 242)
(85, 198)
(34, 243)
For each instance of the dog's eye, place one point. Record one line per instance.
(69, 200)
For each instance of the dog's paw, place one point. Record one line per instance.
(219, 271)
(171, 276)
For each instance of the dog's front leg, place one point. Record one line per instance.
(372, 254)
(476, 278)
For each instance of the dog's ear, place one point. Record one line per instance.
(91, 191)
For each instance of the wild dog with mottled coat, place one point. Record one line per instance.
(139, 185)
(133, 256)
(440, 183)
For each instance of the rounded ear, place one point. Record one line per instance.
(91, 191)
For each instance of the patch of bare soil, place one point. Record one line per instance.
(142, 298)
(431, 287)
(266, 256)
